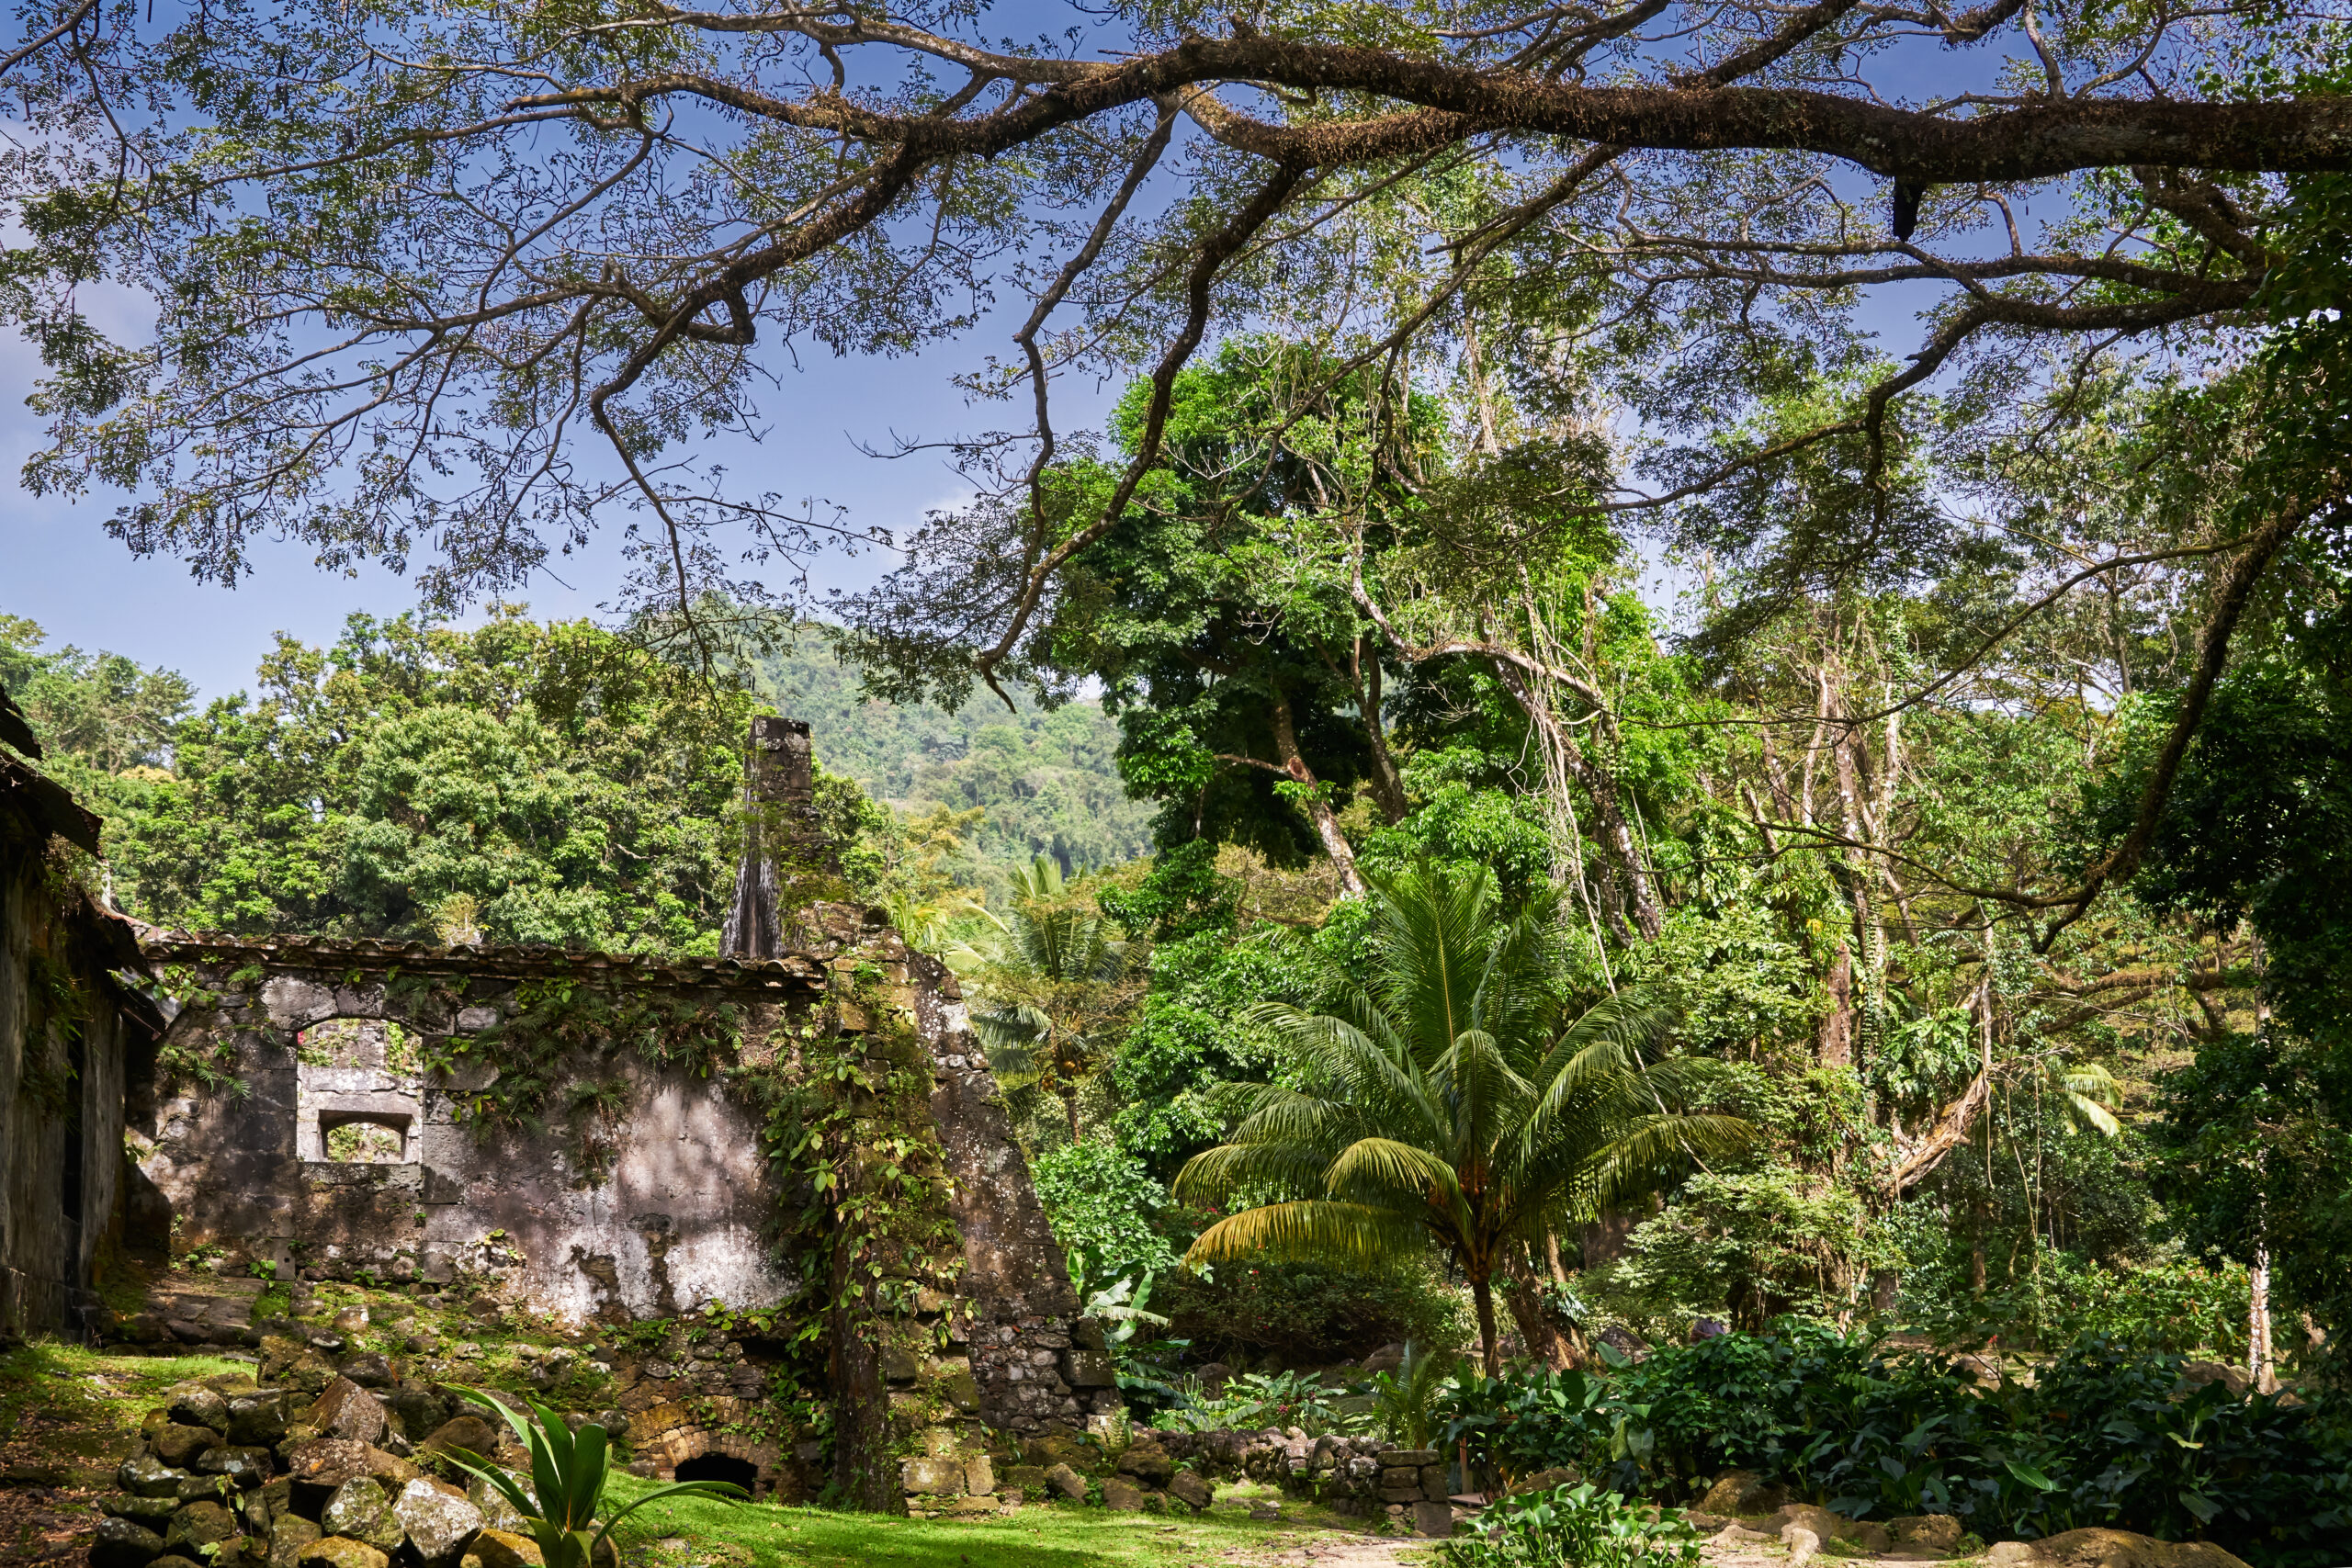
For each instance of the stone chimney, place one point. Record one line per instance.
(779, 824)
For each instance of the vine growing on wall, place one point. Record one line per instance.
(862, 1211)
(554, 1047)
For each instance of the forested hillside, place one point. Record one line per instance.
(1043, 779)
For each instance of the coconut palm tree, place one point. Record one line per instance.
(1458, 1098)
(1058, 991)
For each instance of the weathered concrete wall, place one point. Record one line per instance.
(652, 1205)
(65, 1023)
(330, 1040)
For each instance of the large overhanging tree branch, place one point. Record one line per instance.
(403, 257)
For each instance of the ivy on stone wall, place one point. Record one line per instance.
(552, 1039)
(849, 1132)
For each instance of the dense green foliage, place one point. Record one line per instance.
(2106, 1435)
(1576, 1527)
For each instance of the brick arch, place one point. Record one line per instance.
(667, 1435)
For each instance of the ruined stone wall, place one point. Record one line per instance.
(66, 1024)
(345, 1150)
(340, 1151)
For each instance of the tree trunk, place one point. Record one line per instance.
(1318, 810)
(1387, 784)
(2258, 1364)
(1069, 1105)
(1603, 1241)
(1616, 835)
(1541, 1336)
(1835, 1043)
(1482, 1292)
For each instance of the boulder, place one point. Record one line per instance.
(242, 1466)
(469, 1432)
(497, 1512)
(1030, 1478)
(932, 1477)
(1739, 1494)
(1804, 1544)
(1066, 1482)
(1926, 1532)
(2197, 1374)
(193, 1405)
(1122, 1497)
(979, 1475)
(1825, 1524)
(2121, 1549)
(257, 1419)
(347, 1410)
(176, 1444)
(370, 1370)
(440, 1526)
(1388, 1359)
(1214, 1377)
(502, 1549)
(1147, 1462)
(288, 1536)
(337, 1551)
(1558, 1475)
(124, 1543)
(1433, 1519)
(143, 1475)
(354, 1508)
(199, 1525)
(149, 1511)
(1192, 1490)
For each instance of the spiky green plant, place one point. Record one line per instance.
(1459, 1098)
(568, 1474)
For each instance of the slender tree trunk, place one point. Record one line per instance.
(1070, 1106)
(1615, 833)
(2260, 1367)
(1482, 1292)
(1542, 1337)
(1835, 1043)
(1387, 783)
(1318, 810)
(866, 1470)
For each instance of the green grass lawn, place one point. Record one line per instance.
(1039, 1536)
(63, 1405)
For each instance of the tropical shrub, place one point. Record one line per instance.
(569, 1471)
(2109, 1435)
(1576, 1527)
(1255, 1401)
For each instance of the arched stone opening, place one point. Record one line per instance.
(720, 1466)
(689, 1451)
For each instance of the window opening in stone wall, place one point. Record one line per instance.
(358, 1098)
(363, 1138)
(720, 1466)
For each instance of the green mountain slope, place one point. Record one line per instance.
(1044, 779)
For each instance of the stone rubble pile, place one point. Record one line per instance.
(1365, 1477)
(240, 1475)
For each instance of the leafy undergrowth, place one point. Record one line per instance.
(693, 1533)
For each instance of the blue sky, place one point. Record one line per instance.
(60, 568)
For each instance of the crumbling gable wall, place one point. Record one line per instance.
(320, 1138)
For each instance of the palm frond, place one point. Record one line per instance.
(1383, 1169)
(1311, 1229)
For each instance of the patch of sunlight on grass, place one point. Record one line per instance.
(78, 1403)
(761, 1535)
